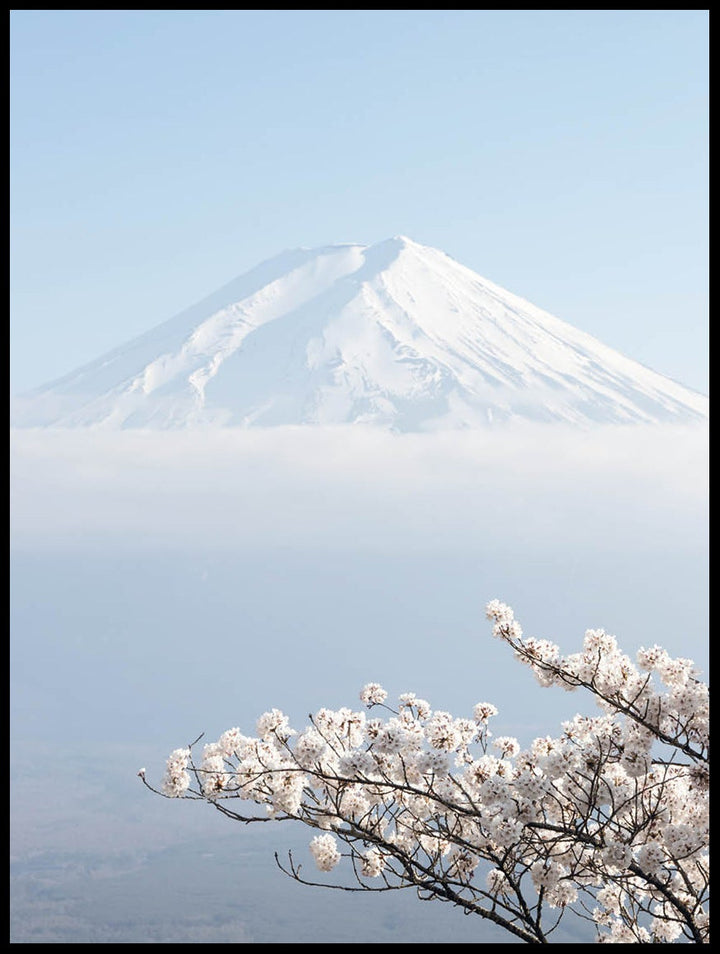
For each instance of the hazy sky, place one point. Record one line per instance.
(156, 155)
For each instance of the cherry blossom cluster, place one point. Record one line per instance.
(609, 819)
(662, 695)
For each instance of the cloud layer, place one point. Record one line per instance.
(351, 487)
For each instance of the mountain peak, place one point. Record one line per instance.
(404, 242)
(360, 334)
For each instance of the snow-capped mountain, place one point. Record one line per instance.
(394, 334)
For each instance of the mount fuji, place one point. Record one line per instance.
(396, 335)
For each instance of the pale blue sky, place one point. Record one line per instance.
(156, 155)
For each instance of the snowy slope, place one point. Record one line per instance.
(395, 334)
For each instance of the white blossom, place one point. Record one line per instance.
(651, 857)
(616, 855)
(274, 724)
(442, 732)
(508, 746)
(433, 764)
(622, 933)
(561, 894)
(177, 779)
(372, 863)
(497, 882)
(484, 711)
(311, 748)
(325, 852)
(373, 694)
(232, 742)
(499, 612)
(664, 930)
(408, 700)
(462, 863)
